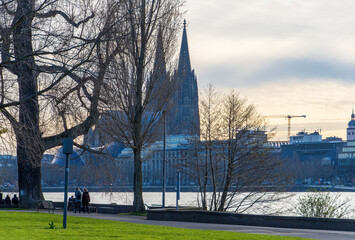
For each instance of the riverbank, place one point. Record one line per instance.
(285, 205)
(295, 188)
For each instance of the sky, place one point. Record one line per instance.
(288, 57)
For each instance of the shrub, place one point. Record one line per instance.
(323, 205)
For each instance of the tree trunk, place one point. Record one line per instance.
(29, 178)
(138, 204)
(226, 186)
(29, 144)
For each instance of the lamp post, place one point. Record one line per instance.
(164, 161)
(177, 190)
(67, 149)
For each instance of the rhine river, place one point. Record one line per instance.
(280, 207)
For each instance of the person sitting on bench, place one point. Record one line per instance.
(14, 201)
(8, 200)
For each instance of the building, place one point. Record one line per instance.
(303, 137)
(182, 122)
(183, 117)
(346, 165)
(182, 113)
(177, 152)
(8, 171)
(315, 158)
(310, 157)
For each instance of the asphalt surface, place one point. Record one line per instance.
(305, 233)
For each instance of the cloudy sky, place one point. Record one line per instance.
(289, 57)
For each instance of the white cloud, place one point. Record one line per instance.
(229, 30)
(288, 57)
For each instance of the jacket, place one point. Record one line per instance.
(86, 197)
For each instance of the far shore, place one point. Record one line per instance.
(295, 188)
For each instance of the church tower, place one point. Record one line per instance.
(183, 117)
(158, 86)
(350, 131)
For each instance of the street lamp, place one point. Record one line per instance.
(67, 149)
(164, 161)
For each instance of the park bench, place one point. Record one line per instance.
(92, 209)
(45, 204)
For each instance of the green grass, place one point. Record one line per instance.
(34, 225)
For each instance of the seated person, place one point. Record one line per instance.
(8, 200)
(71, 203)
(14, 200)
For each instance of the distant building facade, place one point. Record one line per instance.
(304, 137)
(8, 171)
(312, 158)
(346, 166)
(317, 158)
(177, 152)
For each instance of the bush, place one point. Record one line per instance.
(323, 205)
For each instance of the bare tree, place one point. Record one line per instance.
(210, 115)
(54, 56)
(140, 79)
(233, 165)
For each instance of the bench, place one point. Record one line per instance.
(45, 204)
(92, 209)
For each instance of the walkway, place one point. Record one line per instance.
(306, 233)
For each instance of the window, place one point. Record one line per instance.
(349, 149)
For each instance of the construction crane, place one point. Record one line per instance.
(289, 120)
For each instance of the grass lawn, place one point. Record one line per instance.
(34, 225)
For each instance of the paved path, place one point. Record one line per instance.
(306, 233)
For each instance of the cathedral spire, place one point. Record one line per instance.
(184, 59)
(159, 79)
(184, 115)
(160, 64)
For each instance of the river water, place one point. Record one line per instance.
(285, 206)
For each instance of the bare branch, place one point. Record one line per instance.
(54, 13)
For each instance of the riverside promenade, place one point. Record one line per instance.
(305, 233)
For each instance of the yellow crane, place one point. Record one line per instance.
(289, 120)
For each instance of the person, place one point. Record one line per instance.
(8, 200)
(0, 197)
(71, 203)
(14, 200)
(86, 200)
(77, 205)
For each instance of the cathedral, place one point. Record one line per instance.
(183, 117)
(182, 114)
